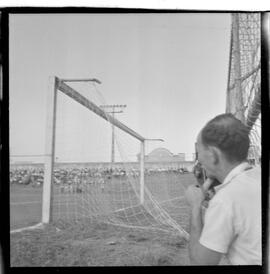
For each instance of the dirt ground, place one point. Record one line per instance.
(97, 244)
(94, 244)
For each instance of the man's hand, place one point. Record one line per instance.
(196, 194)
(199, 254)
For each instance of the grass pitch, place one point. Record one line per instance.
(94, 243)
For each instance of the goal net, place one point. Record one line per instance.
(96, 170)
(244, 79)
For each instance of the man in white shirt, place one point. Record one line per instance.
(232, 222)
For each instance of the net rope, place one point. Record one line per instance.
(93, 192)
(245, 55)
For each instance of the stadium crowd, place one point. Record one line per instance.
(67, 176)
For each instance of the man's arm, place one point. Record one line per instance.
(199, 254)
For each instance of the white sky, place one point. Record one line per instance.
(169, 69)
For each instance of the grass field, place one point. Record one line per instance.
(92, 242)
(96, 244)
(25, 206)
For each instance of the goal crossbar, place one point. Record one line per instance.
(69, 91)
(59, 85)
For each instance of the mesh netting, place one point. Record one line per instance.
(105, 190)
(87, 185)
(244, 83)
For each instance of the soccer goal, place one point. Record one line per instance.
(88, 175)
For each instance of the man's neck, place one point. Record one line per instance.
(225, 169)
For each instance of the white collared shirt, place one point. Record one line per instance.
(232, 224)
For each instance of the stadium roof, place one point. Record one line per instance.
(160, 152)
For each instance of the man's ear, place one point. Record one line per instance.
(215, 154)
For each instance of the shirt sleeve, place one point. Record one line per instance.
(217, 232)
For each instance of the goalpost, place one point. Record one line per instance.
(60, 85)
(138, 198)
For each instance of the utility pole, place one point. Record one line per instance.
(112, 109)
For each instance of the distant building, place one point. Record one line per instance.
(180, 157)
(163, 155)
(159, 154)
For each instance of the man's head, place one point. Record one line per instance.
(224, 140)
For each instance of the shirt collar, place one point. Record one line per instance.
(233, 173)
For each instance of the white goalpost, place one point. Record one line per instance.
(49, 153)
(60, 85)
(131, 200)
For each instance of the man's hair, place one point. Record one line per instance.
(228, 134)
